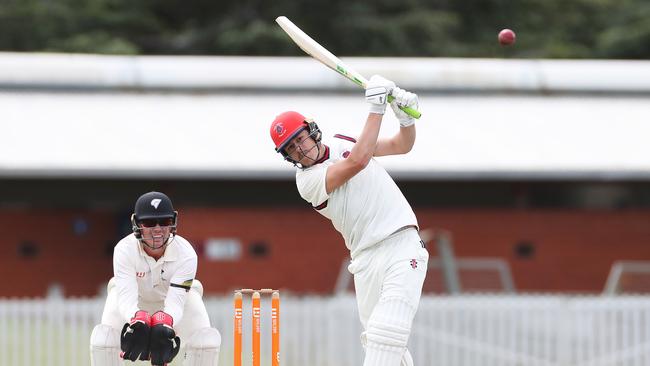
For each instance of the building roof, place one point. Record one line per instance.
(103, 128)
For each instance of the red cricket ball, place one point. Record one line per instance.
(507, 37)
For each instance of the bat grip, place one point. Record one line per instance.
(410, 111)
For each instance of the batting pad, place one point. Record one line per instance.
(407, 360)
(388, 331)
(105, 346)
(203, 347)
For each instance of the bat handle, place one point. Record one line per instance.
(410, 111)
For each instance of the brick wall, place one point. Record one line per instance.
(567, 250)
(78, 261)
(573, 250)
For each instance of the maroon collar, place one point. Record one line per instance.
(325, 156)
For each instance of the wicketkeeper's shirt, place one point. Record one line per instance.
(366, 209)
(141, 279)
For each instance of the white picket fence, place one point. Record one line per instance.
(485, 330)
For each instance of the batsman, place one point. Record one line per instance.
(154, 304)
(340, 179)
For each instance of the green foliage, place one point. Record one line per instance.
(94, 42)
(427, 28)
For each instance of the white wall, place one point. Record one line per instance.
(227, 135)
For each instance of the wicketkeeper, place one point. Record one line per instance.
(154, 304)
(341, 180)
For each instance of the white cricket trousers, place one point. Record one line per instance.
(195, 316)
(395, 267)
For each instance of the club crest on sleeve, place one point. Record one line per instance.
(414, 263)
(155, 202)
(279, 129)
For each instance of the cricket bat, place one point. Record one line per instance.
(315, 50)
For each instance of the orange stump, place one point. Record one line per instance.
(256, 328)
(256, 322)
(275, 329)
(238, 329)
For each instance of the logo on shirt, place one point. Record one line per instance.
(139, 274)
(345, 154)
(155, 202)
(414, 263)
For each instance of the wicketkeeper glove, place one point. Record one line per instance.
(165, 344)
(134, 338)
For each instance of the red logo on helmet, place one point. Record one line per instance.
(286, 126)
(280, 130)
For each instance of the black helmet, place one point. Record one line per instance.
(153, 205)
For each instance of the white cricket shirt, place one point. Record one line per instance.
(140, 279)
(366, 209)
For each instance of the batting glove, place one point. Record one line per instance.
(377, 91)
(403, 99)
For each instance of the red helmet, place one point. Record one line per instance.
(285, 127)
